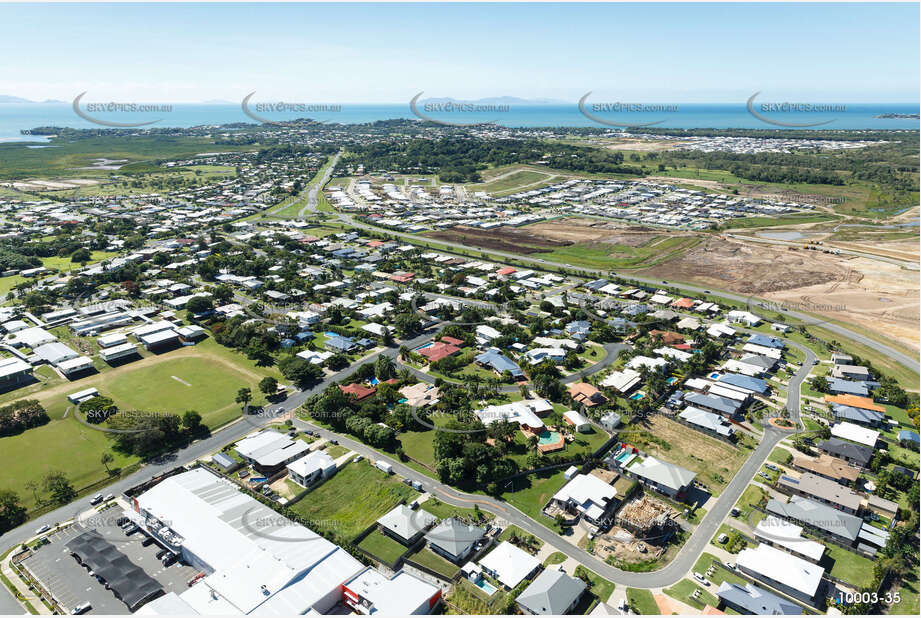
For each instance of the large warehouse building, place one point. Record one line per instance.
(255, 560)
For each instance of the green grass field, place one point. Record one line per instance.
(353, 499)
(683, 590)
(382, 546)
(641, 602)
(65, 445)
(752, 495)
(426, 557)
(530, 493)
(850, 567)
(607, 256)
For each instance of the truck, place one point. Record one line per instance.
(383, 466)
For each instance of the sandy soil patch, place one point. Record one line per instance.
(871, 294)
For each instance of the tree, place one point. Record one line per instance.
(199, 304)
(191, 420)
(819, 384)
(105, 460)
(383, 368)
(268, 386)
(97, 409)
(81, 256)
(244, 396)
(12, 512)
(299, 370)
(57, 484)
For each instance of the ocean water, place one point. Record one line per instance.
(16, 117)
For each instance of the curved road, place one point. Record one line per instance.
(903, 359)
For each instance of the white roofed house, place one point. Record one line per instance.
(308, 470)
(622, 381)
(509, 564)
(664, 477)
(578, 421)
(454, 540)
(791, 575)
(588, 496)
(405, 524)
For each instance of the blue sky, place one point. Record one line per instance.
(363, 53)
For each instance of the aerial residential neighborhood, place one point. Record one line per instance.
(480, 356)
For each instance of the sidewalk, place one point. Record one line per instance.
(22, 588)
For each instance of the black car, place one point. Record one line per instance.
(147, 542)
(169, 559)
(162, 553)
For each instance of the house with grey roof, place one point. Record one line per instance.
(855, 454)
(662, 476)
(553, 592)
(813, 515)
(752, 600)
(454, 540)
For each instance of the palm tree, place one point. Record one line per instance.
(105, 460)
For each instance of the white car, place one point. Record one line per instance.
(701, 578)
(43, 529)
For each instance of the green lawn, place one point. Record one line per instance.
(353, 499)
(599, 587)
(752, 495)
(426, 557)
(382, 546)
(780, 456)
(908, 596)
(848, 566)
(65, 445)
(442, 510)
(683, 590)
(720, 574)
(556, 557)
(467, 599)
(420, 445)
(641, 602)
(530, 493)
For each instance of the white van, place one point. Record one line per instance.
(83, 607)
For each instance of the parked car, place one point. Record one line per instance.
(147, 542)
(109, 497)
(43, 529)
(96, 499)
(162, 553)
(169, 559)
(83, 607)
(131, 530)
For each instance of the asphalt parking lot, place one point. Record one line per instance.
(71, 583)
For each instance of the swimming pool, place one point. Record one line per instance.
(426, 345)
(548, 437)
(624, 456)
(485, 586)
(637, 396)
(671, 380)
(714, 375)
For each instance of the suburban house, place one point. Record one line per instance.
(308, 470)
(822, 490)
(855, 454)
(788, 536)
(14, 372)
(359, 391)
(622, 381)
(578, 421)
(406, 525)
(827, 467)
(669, 479)
(754, 601)
(420, 394)
(553, 592)
(855, 433)
(586, 495)
(825, 519)
(498, 362)
(791, 575)
(707, 422)
(587, 395)
(454, 540)
(509, 564)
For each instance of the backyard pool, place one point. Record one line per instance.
(637, 396)
(485, 586)
(548, 437)
(671, 380)
(714, 375)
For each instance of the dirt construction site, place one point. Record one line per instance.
(873, 294)
(643, 524)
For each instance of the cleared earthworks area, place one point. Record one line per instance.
(578, 242)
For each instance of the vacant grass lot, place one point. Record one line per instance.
(353, 499)
(752, 495)
(426, 557)
(848, 566)
(603, 255)
(714, 461)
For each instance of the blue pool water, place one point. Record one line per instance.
(624, 456)
(485, 586)
(714, 375)
(671, 380)
(548, 437)
(636, 396)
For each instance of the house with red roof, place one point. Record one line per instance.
(683, 303)
(438, 350)
(402, 277)
(505, 272)
(359, 391)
